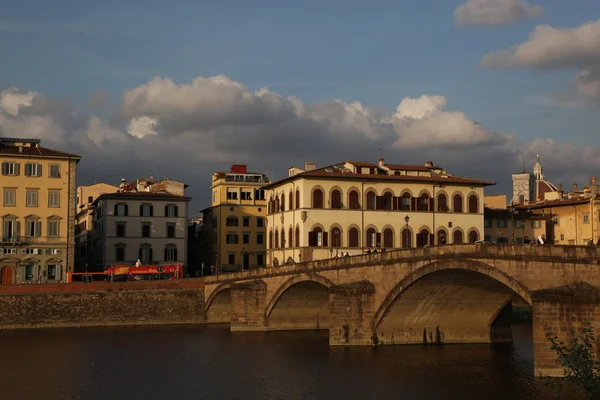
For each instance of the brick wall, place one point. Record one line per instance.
(78, 305)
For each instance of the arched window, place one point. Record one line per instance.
(282, 239)
(457, 205)
(388, 238)
(297, 198)
(291, 201)
(370, 200)
(271, 239)
(282, 202)
(405, 201)
(388, 199)
(423, 204)
(297, 237)
(290, 237)
(423, 238)
(276, 240)
(353, 237)
(354, 204)
(441, 238)
(371, 237)
(442, 203)
(276, 205)
(336, 199)
(457, 237)
(406, 238)
(317, 198)
(317, 238)
(473, 236)
(473, 204)
(336, 237)
(170, 252)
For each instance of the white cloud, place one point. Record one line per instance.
(550, 48)
(494, 12)
(187, 131)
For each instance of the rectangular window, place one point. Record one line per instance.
(170, 253)
(120, 253)
(171, 210)
(170, 230)
(145, 254)
(487, 223)
(54, 198)
(53, 228)
(246, 194)
(146, 210)
(51, 272)
(231, 221)
(519, 240)
(260, 222)
(32, 198)
(33, 228)
(146, 227)
(29, 272)
(586, 218)
(10, 168)
(90, 199)
(260, 238)
(121, 210)
(259, 194)
(10, 197)
(231, 238)
(55, 171)
(231, 259)
(245, 221)
(232, 194)
(260, 259)
(536, 224)
(33, 169)
(519, 223)
(501, 223)
(245, 238)
(120, 229)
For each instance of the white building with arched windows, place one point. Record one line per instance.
(355, 207)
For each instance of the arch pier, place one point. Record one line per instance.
(434, 295)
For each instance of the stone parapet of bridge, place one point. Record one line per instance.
(441, 294)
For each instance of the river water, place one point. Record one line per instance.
(152, 363)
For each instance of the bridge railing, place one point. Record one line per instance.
(493, 251)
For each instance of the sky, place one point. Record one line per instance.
(185, 88)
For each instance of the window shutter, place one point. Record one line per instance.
(325, 239)
(150, 254)
(126, 210)
(413, 203)
(176, 211)
(4, 168)
(175, 255)
(141, 210)
(395, 201)
(116, 209)
(431, 204)
(431, 238)
(17, 231)
(27, 169)
(378, 239)
(39, 170)
(166, 254)
(166, 211)
(17, 169)
(38, 229)
(151, 210)
(236, 238)
(311, 239)
(140, 253)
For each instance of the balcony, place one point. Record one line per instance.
(19, 239)
(12, 239)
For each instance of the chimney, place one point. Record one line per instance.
(309, 166)
(429, 164)
(381, 162)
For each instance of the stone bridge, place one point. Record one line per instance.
(432, 295)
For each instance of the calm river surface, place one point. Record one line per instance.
(211, 363)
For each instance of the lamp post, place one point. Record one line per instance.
(406, 219)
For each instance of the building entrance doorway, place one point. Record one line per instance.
(7, 276)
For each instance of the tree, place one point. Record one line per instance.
(578, 360)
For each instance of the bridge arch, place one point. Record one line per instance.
(301, 302)
(449, 301)
(218, 304)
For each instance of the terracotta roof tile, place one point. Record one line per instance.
(35, 152)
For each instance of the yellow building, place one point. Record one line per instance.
(38, 212)
(514, 225)
(235, 222)
(354, 207)
(86, 195)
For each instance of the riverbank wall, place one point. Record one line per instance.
(102, 304)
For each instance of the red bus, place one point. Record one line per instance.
(123, 273)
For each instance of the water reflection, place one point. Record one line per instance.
(212, 363)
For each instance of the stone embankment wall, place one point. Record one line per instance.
(102, 304)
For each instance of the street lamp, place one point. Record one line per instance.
(407, 240)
